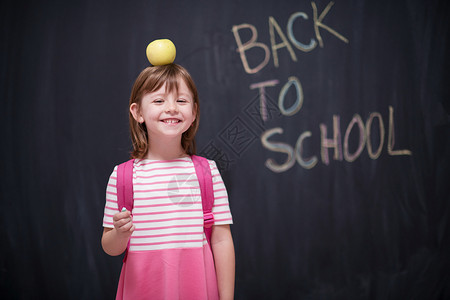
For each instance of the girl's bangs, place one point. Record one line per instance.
(166, 75)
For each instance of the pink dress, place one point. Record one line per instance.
(169, 257)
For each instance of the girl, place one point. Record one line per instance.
(168, 255)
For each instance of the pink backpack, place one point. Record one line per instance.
(203, 171)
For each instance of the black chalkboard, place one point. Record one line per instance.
(329, 122)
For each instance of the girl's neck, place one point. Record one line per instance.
(165, 150)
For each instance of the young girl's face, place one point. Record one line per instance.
(166, 115)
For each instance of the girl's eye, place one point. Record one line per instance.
(158, 101)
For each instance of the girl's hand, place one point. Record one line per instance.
(115, 240)
(123, 222)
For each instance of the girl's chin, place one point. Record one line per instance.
(169, 132)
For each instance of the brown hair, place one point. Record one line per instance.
(150, 80)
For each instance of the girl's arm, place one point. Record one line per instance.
(223, 250)
(115, 240)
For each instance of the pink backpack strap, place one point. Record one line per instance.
(204, 176)
(125, 190)
(125, 185)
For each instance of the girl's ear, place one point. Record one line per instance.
(134, 110)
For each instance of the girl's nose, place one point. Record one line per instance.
(171, 106)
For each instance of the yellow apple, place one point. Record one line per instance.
(161, 52)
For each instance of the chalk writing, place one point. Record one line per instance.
(307, 163)
(263, 112)
(243, 47)
(295, 108)
(335, 143)
(362, 139)
(318, 23)
(300, 46)
(274, 27)
(391, 137)
(376, 154)
(262, 92)
(238, 136)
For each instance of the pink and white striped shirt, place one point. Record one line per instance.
(168, 217)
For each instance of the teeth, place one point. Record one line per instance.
(171, 121)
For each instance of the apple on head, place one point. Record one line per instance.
(161, 52)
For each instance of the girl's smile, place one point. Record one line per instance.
(171, 121)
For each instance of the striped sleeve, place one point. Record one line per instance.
(111, 206)
(221, 207)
